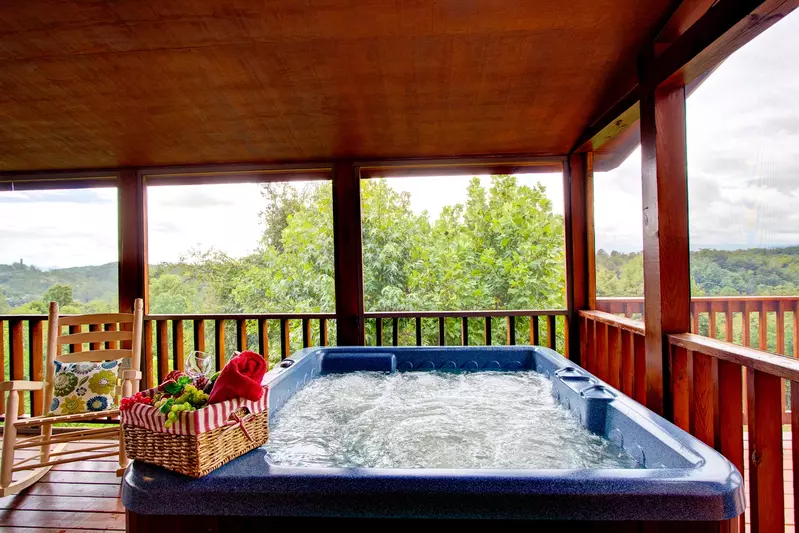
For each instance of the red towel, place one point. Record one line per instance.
(241, 378)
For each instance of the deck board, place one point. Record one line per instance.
(72, 498)
(85, 496)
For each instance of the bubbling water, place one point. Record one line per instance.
(434, 420)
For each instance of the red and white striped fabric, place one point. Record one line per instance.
(191, 422)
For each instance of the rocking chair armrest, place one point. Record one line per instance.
(130, 374)
(20, 385)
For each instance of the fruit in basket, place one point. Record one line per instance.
(128, 402)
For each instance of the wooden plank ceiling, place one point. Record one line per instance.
(93, 84)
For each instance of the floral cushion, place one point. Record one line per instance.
(84, 387)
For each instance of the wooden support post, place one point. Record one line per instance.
(667, 288)
(534, 334)
(578, 197)
(132, 206)
(162, 349)
(487, 331)
(418, 331)
(2, 366)
(263, 337)
(306, 333)
(378, 331)
(219, 343)
(511, 324)
(285, 338)
(348, 253)
(241, 335)
(178, 345)
(323, 339)
(15, 350)
(552, 327)
(442, 338)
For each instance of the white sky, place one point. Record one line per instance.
(743, 138)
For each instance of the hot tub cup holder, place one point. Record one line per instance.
(598, 392)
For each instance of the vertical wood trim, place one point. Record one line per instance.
(2, 365)
(601, 347)
(378, 331)
(348, 254)
(442, 339)
(263, 337)
(682, 387)
(731, 415)
(418, 331)
(162, 349)
(705, 401)
(132, 222)
(639, 356)
(614, 357)
(765, 452)
(590, 355)
(465, 331)
(667, 288)
(219, 344)
(178, 345)
(578, 198)
(511, 325)
(323, 338)
(795, 447)
(285, 338)
(241, 335)
(534, 339)
(148, 382)
(694, 319)
(36, 363)
(199, 335)
(487, 331)
(627, 363)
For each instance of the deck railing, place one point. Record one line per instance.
(168, 339)
(727, 395)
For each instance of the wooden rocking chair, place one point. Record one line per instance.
(52, 448)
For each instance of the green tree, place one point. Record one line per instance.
(62, 294)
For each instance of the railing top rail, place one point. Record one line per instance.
(640, 299)
(628, 324)
(241, 316)
(468, 314)
(776, 365)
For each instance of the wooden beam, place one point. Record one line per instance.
(348, 254)
(132, 205)
(578, 206)
(667, 287)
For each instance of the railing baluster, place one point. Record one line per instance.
(15, 347)
(551, 332)
(395, 331)
(762, 327)
(487, 333)
(465, 331)
(219, 344)
(712, 321)
(534, 340)
(511, 324)
(306, 333)
(442, 339)
(627, 363)
(198, 328)
(601, 347)
(378, 331)
(2, 364)
(590, 355)
(639, 383)
(628, 310)
(731, 414)
(148, 381)
(694, 318)
(241, 335)
(705, 399)
(178, 345)
(614, 357)
(746, 323)
(728, 330)
(780, 328)
(682, 384)
(418, 331)
(36, 363)
(765, 452)
(323, 339)
(263, 338)
(162, 349)
(285, 338)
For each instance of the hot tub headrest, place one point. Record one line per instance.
(354, 361)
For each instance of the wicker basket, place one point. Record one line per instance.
(200, 441)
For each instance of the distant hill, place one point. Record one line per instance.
(22, 283)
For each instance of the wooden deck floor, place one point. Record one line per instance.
(85, 496)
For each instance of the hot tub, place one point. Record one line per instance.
(682, 479)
